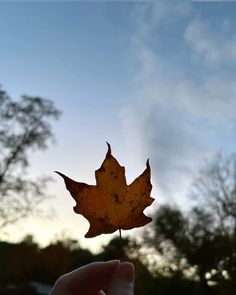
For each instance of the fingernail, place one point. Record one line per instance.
(123, 280)
(126, 272)
(113, 261)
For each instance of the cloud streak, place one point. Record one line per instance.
(217, 47)
(177, 117)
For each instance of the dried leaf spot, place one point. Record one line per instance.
(115, 197)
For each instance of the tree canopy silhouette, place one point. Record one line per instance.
(202, 241)
(24, 127)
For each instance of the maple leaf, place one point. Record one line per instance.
(111, 204)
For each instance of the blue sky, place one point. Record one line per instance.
(155, 79)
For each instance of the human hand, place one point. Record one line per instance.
(115, 276)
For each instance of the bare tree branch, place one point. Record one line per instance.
(24, 126)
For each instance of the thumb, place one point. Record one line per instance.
(123, 280)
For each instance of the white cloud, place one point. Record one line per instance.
(176, 118)
(158, 13)
(215, 44)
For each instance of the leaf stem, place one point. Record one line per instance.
(120, 234)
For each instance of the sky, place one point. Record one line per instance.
(154, 79)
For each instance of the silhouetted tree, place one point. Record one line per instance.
(24, 127)
(176, 243)
(202, 241)
(116, 249)
(215, 190)
(55, 260)
(18, 261)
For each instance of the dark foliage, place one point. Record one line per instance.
(25, 262)
(203, 240)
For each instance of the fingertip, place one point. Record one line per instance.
(123, 280)
(126, 271)
(114, 262)
(99, 272)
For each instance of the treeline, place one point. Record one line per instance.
(26, 262)
(172, 257)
